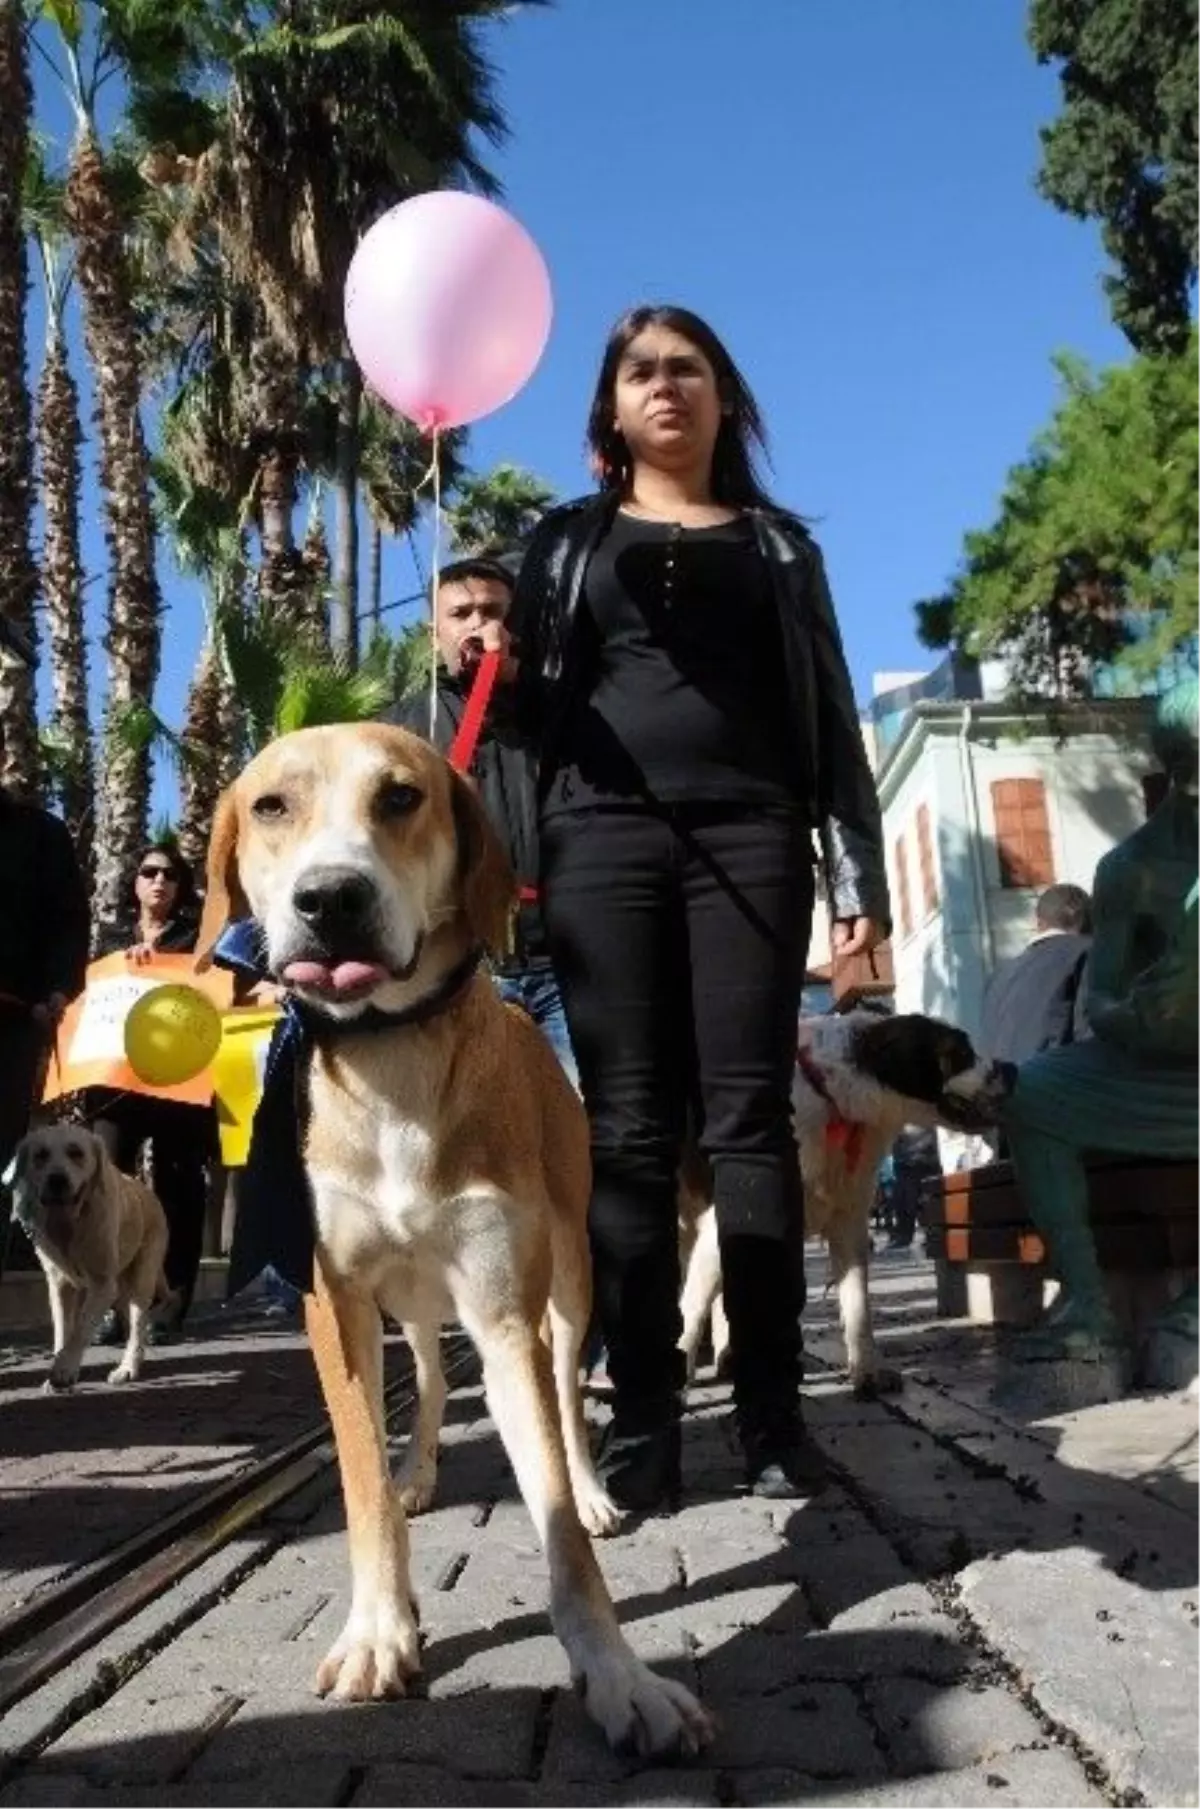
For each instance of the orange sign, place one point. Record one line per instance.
(91, 1037)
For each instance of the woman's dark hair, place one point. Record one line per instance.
(185, 880)
(735, 480)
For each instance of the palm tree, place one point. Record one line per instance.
(18, 574)
(498, 509)
(59, 438)
(59, 435)
(330, 115)
(133, 625)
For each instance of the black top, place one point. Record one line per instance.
(684, 698)
(505, 770)
(178, 935)
(44, 916)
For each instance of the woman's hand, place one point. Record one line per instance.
(856, 936)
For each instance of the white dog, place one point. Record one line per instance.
(100, 1237)
(860, 1078)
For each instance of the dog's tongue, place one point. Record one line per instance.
(346, 976)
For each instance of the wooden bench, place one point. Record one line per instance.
(992, 1262)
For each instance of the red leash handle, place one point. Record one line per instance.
(466, 739)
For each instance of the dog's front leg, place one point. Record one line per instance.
(64, 1304)
(417, 1480)
(702, 1284)
(638, 1711)
(849, 1248)
(378, 1652)
(90, 1309)
(130, 1366)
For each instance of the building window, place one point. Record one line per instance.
(1022, 833)
(1154, 791)
(929, 885)
(902, 892)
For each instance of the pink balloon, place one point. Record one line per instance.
(448, 307)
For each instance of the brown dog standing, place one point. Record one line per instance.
(448, 1159)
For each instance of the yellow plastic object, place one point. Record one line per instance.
(238, 1076)
(171, 1035)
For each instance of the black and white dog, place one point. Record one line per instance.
(860, 1078)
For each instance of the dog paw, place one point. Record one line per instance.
(124, 1372)
(597, 1511)
(60, 1380)
(644, 1716)
(376, 1658)
(883, 1380)
(416, 1486)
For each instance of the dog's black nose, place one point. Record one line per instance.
(56, 1185)
(333, 898)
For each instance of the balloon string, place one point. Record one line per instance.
(434, 434)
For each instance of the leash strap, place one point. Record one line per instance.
(466, 739)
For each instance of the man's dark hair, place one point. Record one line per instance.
(486, 564)
(1065, 908)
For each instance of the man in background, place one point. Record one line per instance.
(44, 928)
(474, 597)
(1034, 1001)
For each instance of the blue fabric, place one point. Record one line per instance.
(536, 991)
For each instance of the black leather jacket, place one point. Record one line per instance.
(839, 790)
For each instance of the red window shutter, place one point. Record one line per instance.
(929, 885)
(906, 916)
(1022, 833)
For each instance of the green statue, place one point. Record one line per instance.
(1131, 1087)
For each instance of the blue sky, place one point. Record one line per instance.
(846, 192)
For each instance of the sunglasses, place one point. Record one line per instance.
(157, 873)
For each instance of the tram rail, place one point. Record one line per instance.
(41, 1636)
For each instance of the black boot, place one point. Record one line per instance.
(641, 1456)
(783, 1463)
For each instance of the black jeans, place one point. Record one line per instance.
(679, 939)
(21, 1045)
(182, 1142)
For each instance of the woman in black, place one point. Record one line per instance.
(164, 920)
(682, 669)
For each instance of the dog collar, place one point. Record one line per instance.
(840, 1133)
(321, 1029)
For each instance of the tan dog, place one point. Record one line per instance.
(100, 1237)
(448, 1159)
(860, 1078)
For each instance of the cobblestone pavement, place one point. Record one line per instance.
(981, 1610)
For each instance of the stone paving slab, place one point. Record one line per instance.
(962, 1618)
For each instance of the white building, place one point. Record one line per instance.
(983, 807)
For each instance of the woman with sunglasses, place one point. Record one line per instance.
(163, 919)
(682, 672)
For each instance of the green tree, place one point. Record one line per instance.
(1096, 533)
(498, 508)
(18, 574)
(67, 739)
(1123, 151)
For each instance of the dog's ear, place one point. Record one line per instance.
(224, 899)
(16, 1176)
(487, 884)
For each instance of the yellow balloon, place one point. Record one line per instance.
(172, 1034)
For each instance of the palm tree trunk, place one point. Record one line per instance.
(316, 571)
(276, 385)
(345, 587)
(375, 577)
(20, 769)
(203, 736)
(134, 629)
(59, 437)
